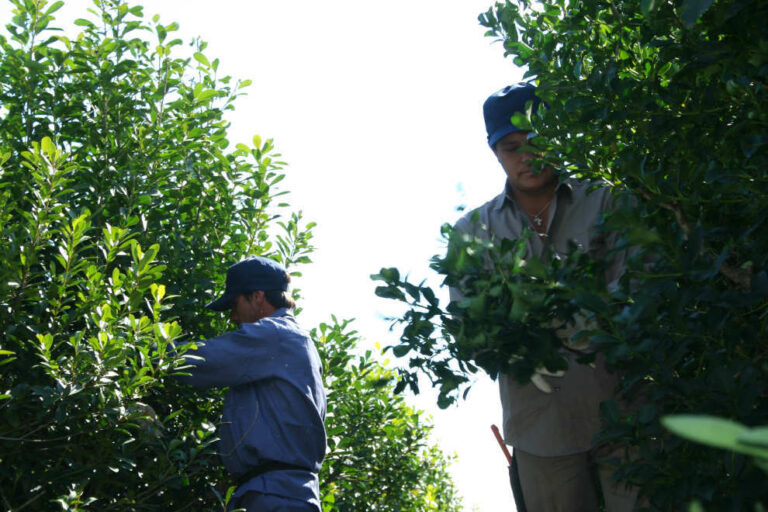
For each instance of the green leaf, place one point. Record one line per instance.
(692, 10)
(205, 95)
(54, 7)
(590, 302)
(48, 147)
(202, 59)
(401, 350)
(389, 292)
(390, 276)
(521, 121)
(84, 23)
(713, 431)
(148, 257)
(757, 437)
(647, 7)
(647, 413)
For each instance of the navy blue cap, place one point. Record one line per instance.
(251, 274)
(501, 105)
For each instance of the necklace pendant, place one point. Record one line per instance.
(537, 220)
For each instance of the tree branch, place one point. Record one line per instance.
(741, 277)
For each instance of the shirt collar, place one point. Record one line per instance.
(281, 312)
(563, 190)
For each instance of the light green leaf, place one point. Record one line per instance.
(712, 431)
(48, 147)
(202, 59)
(757, 437)
(705, 429)
(148, 257)
(205, 95)
(46, 341)
(521, 121)
(55, 7)
(84, 23)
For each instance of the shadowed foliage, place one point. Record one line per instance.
(667, 103)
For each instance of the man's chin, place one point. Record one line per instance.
(534, 184)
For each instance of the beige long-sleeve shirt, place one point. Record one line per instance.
(564, 421)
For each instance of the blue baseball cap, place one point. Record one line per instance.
(501, 105)
(251, 274)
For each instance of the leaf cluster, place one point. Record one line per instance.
(122, 202)
(504, 318)
(722, 433)
(378, 456)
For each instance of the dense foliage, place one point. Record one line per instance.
(121, 204)
(516, 320)
(378, 457)
(667, 101)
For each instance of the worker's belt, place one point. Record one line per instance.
(266, 467)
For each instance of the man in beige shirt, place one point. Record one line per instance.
(551, 421)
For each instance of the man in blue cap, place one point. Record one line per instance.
(272, 436)
(550, 421)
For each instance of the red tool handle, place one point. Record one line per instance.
(501, 443)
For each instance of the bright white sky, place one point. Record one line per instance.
(376, 108)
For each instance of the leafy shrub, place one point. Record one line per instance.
(112, 239)
(379, 457)
(121, 204)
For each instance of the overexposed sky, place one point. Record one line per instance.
(376, 108)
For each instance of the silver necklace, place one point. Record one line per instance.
(536, 219)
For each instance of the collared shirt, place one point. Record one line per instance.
(275, 405)
(562, 422)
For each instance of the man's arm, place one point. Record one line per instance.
(233, 358)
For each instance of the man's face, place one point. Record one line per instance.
(243, 311)
(517, 165)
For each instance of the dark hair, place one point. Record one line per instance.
(278, 298)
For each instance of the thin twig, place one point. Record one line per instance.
(28, 502)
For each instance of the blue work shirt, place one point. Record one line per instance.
(275, 406)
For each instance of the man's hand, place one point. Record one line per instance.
(568, 331)
(537, 379)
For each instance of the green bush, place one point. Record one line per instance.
(116, 226)
(379, 457)
(121, 204)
